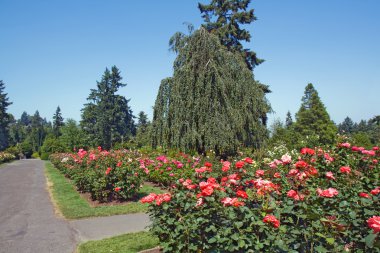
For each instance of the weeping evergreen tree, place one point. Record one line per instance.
(212, 102)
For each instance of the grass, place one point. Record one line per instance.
(127, 243)
(72, 206)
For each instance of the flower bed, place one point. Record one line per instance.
(118, 174)
(105, 175)
(319, 201)
(6, 157)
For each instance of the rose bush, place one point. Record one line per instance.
(315, 201)
(106, 175)
(6, 157)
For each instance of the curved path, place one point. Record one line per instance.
(28, 222)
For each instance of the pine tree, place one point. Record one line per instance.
(57, 122)
(347, 126)
(4, 117)
(38, 133)
(312, 118)
(289, 120)
(224, 18)
(107, 118)
(212, 102)
(143, 130)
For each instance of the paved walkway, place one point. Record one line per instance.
(27, 219)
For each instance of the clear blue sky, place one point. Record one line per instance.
(53, 52)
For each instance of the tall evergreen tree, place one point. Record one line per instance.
(347, 126)
(312, 118)
(289, 120)
(224, 18)
(107, 118)
(212, 102)
(4, 117)
(57, 122)
(38, 132)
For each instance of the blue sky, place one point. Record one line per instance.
(53, 52)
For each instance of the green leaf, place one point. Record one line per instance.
(330, 241)
(321, 249)
(212, 240)
(369, 240)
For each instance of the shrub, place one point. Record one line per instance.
(6, 157)
(317, 201)
(105, 175)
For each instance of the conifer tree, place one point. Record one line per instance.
(289, 120)
(212, 101)
(224, 18)
(57, 122)
(312, 118)
(4, 117)
(107, 118)
(347, 126)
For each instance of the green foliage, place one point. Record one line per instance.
(26, 149)
(51, 145)
(143, 132)
(5, 118)
(72, 136)
(107, 118)
(312, 119)
(212, 101)
(57, 122)
(225, 19)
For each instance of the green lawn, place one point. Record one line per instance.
(73, 206)
(128, 243)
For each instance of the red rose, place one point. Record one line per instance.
(374, 223)
(239, 164)
(307, 151)
(329, 193)
(375, 191)
(295, 195)
(271, 219)
(259, 173)
(364, 195)
(208, 165)
(345, 169)
(117, 189)
(248, 160)
(242, 194)
(301, 164)
(148, 199)
(108, 171)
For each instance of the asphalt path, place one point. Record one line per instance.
(27, 219)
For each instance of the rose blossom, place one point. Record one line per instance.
(330, 175)
(329, 193)
(345, 169)
(364, 195)
(374, 223)
(272, 220)
(148, 199)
